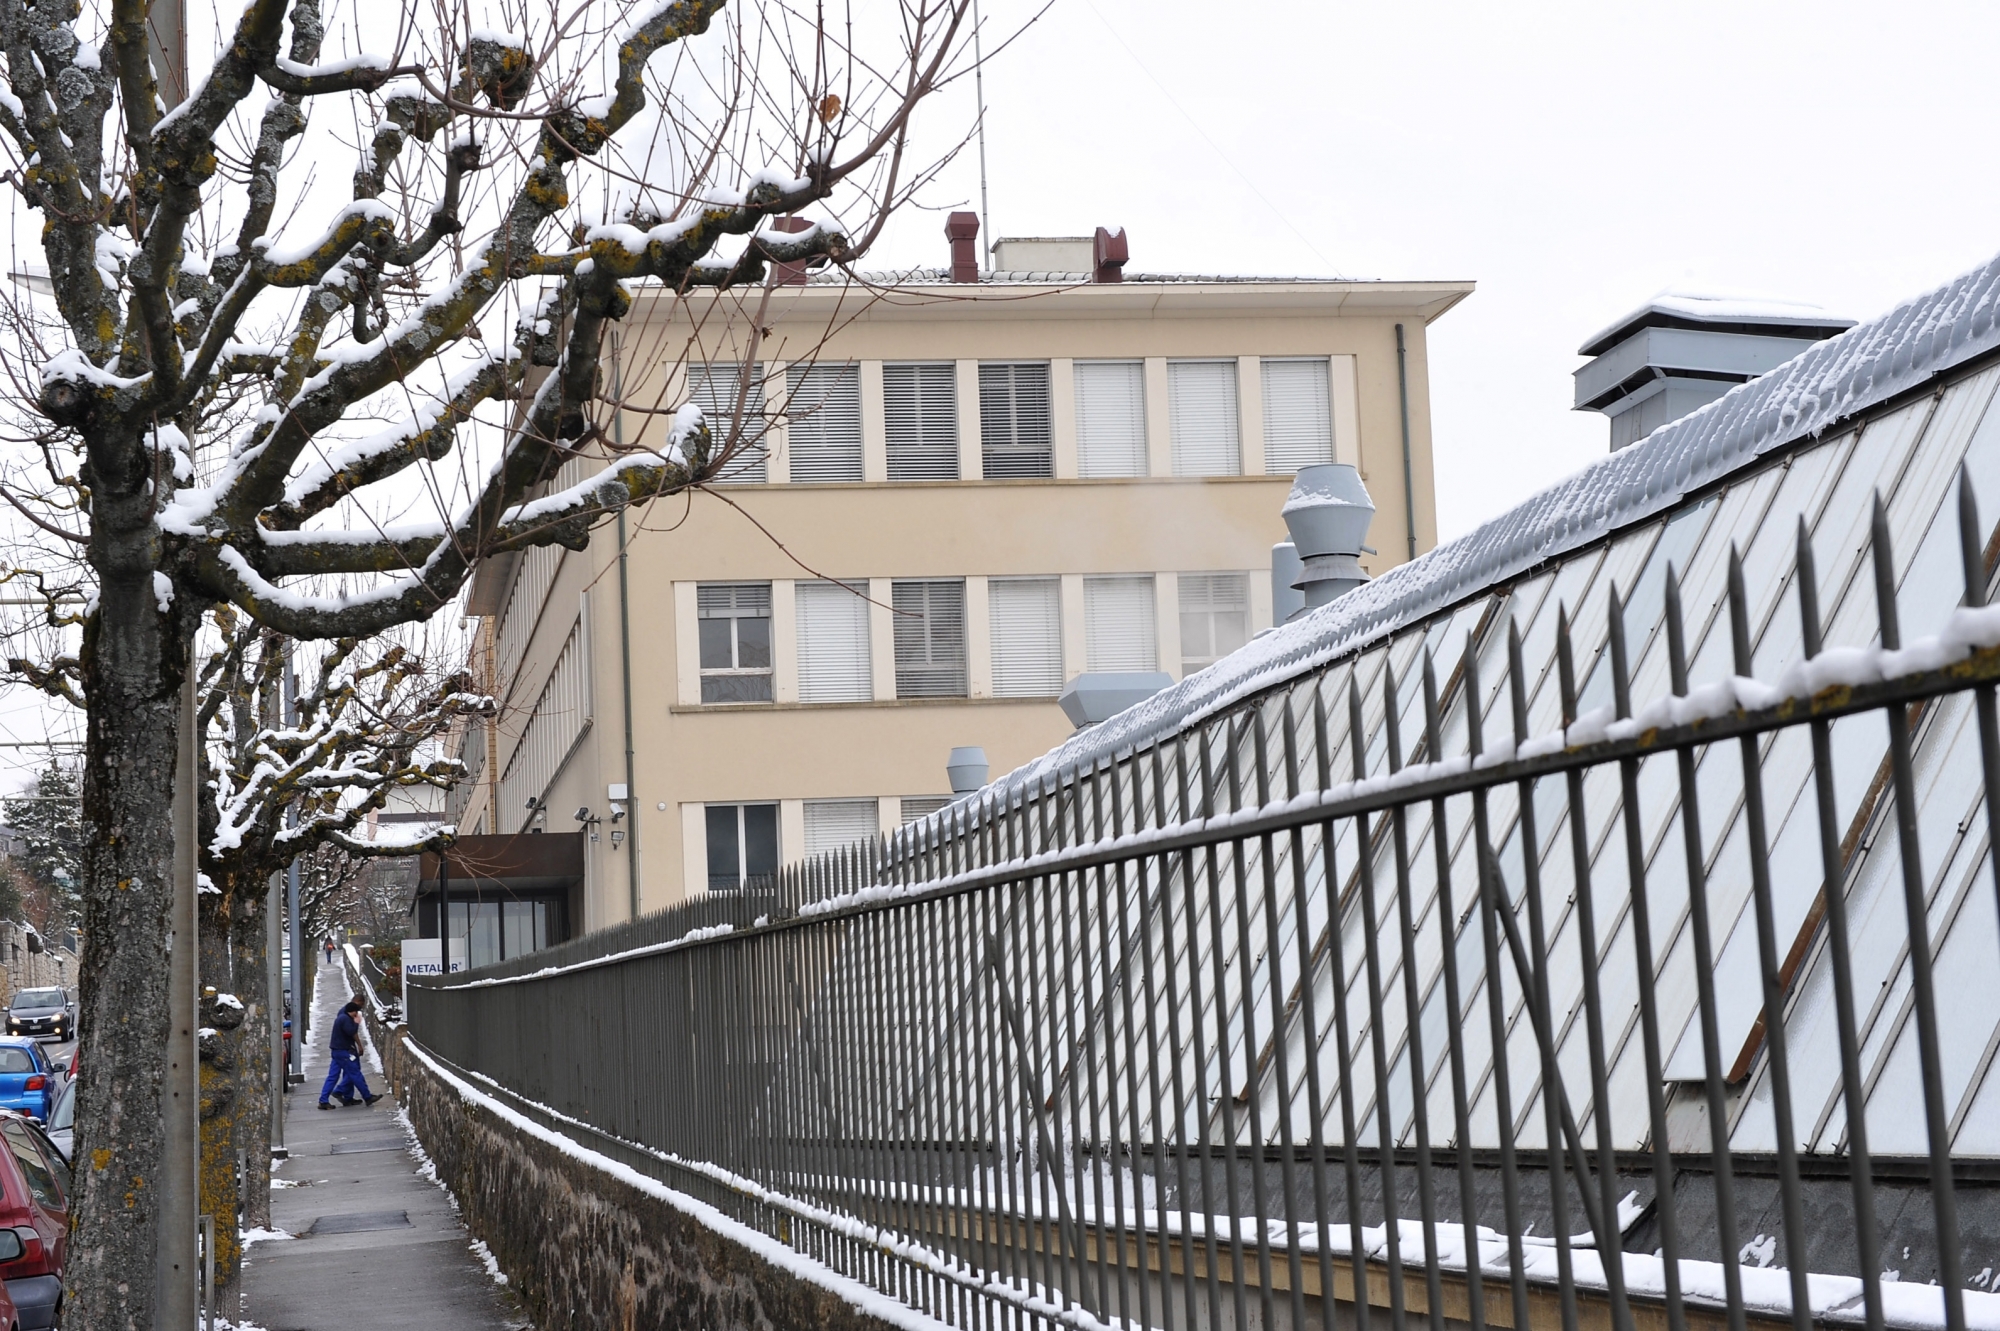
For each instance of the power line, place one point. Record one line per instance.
(1227, 160)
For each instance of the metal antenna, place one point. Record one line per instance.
(979, 92)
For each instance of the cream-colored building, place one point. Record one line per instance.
(975, 491)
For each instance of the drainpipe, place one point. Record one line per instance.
(625, 631)
(1409, 482)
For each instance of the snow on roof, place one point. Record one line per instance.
(900, 277)
(1825, 384)
(1679, 307)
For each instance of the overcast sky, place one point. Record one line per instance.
(1571, 158)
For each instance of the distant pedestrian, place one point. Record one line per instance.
(344, 1077)
(329, 951)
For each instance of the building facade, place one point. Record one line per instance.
(952, 497)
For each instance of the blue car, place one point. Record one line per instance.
(27, 1081)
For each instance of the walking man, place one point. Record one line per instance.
(344, 1078)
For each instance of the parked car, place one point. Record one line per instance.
(34, 1206)
(42, 1012)
(27, 1081)
(11, 1248)
(61, 1125)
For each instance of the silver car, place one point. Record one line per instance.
(61, 1127)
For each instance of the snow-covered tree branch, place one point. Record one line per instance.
(318, 399)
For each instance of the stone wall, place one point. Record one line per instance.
(585, 1251)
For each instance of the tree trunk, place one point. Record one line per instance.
(134, 653)
(253, 1096)
(235, 1068)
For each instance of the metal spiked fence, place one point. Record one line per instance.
(1362, 997)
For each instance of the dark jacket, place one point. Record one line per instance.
(346, 1034)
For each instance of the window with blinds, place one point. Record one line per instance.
(1110, 418)
(930, 639)
(718, 390)
(734, 623)
(921, 806)
(533, 579)
(1119, 629)
(834, 663)
(742, 845)
(920, 407)
(1215, 617)
(1298, 414)
(824, 413)
(833, 824)
(1201, 411)
(552, 732)
(1016, 438)
(1026, 615)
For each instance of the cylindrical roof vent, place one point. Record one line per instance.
(967, 769)
(1327, 513)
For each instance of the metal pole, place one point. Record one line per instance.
(273, 944)
(1409, 478)
(297, 926)
(979, 95)
(174, 1288)
(625, 638)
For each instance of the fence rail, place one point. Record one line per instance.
(1395, 987)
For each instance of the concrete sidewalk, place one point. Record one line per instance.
(374, 1242)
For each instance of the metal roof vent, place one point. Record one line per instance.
(1327, 512)
(1681, 351)
(1099, 695)
(966, 768)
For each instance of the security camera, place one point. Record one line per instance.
(534, 805)
(583, 814)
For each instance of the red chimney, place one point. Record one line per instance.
(1112, 254)
(790, 274)
(962, 230)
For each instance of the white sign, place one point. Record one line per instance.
(424, 956)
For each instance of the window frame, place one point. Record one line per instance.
(1209, 609)
(911, 619)
(1011, 448)
(756, 455)
(741, 822)
(1138, 458)
(736, 670)
(921, 459)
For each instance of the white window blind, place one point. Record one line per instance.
(1110, 418)
(1201, 408)
(920, 405)
(554, 727)
(1298, 414)
(833, 824)
(930, 639)
(921, 806)
(1016, 438)
(824, 412)
(833, 643)
(1215, 617)
(716, 389)
(1119, 629)
(532, 581)
(1026, 616)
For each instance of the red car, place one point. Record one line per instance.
(34, 1207)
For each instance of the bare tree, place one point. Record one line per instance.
(381, 366)
(293, 777)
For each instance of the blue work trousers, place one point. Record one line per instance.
(344, 1079)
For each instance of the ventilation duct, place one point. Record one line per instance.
(1327, 512)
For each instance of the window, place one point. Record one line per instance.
(34, 1168)
(1298, 415)
(1119, 631)
(735, 627)
(834, 662)
(1110, 418)
(832, 824)
(488, 931)
(742, 845)
(1015, 436)
(920, 405)
(1026, 616)
(930, 639)
(825, 415)
(555, 727)
(921, 806)
(1201, 408)
(1215, 617)
(718, 390)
